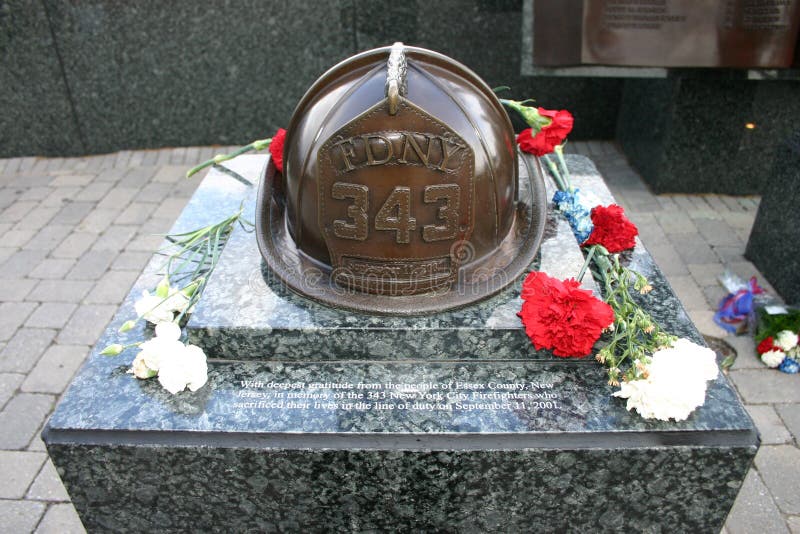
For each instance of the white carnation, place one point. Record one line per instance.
(162, 347)
(773, 358)
(188, 368)
(786, 340)
(140, 369)
(675, 383)
(155, 309)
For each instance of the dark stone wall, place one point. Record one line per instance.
(687, 134)
(96, 76)
(777, 226)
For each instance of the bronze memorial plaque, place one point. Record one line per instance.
(402, 191)
(666, 33)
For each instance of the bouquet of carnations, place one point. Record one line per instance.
(777, 337)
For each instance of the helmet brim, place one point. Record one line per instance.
(478, 278)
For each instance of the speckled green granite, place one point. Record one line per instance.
(410, 443)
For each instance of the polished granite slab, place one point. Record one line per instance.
(260, 318)
(280, 443)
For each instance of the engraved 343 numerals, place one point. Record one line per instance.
(395, 213)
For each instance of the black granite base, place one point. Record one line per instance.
(414, 442)
(777, 224)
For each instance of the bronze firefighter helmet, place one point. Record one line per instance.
(400, 191)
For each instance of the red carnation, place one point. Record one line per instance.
(550, 136)
(612, 229)
(766, 345)
(276, 148)
(561, 316)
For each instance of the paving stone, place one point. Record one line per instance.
(74, 245)
(136, 213)
(51, 315)
(20, 516)
(98, 220)
(20, 263)
(170, 208)
(668, 259)
(717, 233)
(138, 176)
(93, 192)
(741, 220)
(688, 292)
(157, 226)
(746, 357)
(61, 519)
(17, 471)
(52, 269)
(16, 211)
(170, 174)
(131, 261)
(9, 382)
(692, 248)
(55, 369)
(24, 349)
(118, 198)
(145, 243)
(15, 290)
(112, 288)
(21, 419)
(12, 316)
(60, 196)
(92, 265)
(49, 237)
(186, 188)
(72, 180)
(732, 202)
(154, 192)
(714, 295)
(704, 321)
(705, 274)
(790, 414)
(86, 324)
(770, 426)
(115, 238)
(73, 212)
(779, 467)
(60, 291)
(728, 254)
(110, 175)
(47, 486)
(754, 510)
(766, 386)
(675, 222)
(17, 238)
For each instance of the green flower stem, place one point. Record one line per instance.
(529, 114)
(556, 175)
(567, 179)
(259, 144)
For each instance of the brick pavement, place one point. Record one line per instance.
(78, 231)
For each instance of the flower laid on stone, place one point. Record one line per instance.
(673, 384)
(276, 148)
(648, 363)
(560, 316)
(780, 351)
(612, 229)
(549, 128)
(276, 152)
(176, 365)
(162, 305)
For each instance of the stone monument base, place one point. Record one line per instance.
(400, 441)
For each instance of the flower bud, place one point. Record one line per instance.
(112, 350)
(162, 289)
(127, 325)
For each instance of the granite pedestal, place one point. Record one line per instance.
(320, 420)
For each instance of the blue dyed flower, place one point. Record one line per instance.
(577, 213)
(789, 366)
